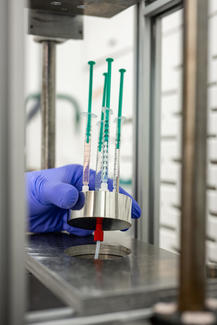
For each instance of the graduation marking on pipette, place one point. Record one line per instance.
(105, 157)
(100, 141)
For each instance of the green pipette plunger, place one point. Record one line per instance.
(122, 71)
(108, 96)
(118, 135)
(102, 113)
(104, 89)
(88, 130)
(109, 60)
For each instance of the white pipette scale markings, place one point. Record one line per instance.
(100, 141)
(105, 157)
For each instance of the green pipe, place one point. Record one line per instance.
(122, 71)
(108, 97)
(88, 131)
(109, 60)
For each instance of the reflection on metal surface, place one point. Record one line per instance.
(131, 317)
(107, 252)
(113, 207)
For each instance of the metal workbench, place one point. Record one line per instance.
(76, 290)
(93, 287)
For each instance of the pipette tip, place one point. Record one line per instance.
(85, 188)
(96, 256)
(104, 187)
(98, 236)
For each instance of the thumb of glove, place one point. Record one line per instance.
(63, 195)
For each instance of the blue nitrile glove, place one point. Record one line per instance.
(51, 193)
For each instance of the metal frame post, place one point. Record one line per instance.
(146, 142)
(48, 104)
(148, 115)
(193, 219)
(155, 127)
(193, 224)
(141, 125)
(12, 206)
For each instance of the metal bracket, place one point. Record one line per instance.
(98, 8)
(48, 25)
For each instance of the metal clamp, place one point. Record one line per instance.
(113, 207)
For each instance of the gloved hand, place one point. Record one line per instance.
(51, 193)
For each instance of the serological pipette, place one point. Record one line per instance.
(118, 135)
(98, 233)
(105, 157)
(87, 140)
(100, 142)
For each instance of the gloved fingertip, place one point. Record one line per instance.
(110, 185)
(63, 195)
(80, 202)
(136, 210)
(69, 198)
(92, 180)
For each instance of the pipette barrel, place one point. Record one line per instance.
(86, 170)
(116, 170)
(105, 157)
(100, 142)
(102, 112)
(98, 170)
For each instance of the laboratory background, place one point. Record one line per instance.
(116, 38)
(147, 252)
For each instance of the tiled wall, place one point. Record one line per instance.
(171, 132)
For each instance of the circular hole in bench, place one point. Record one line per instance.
(107, 252)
